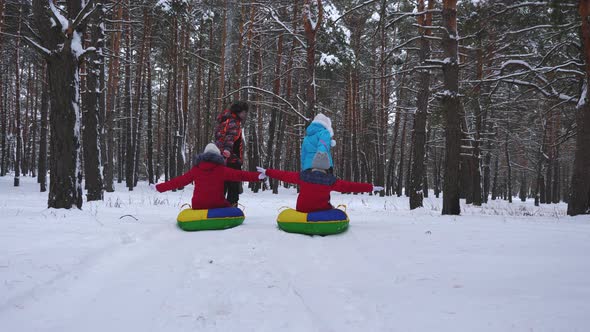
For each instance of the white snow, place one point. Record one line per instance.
(77, 48)
(375, 17)
(333, 14)
(307, 12)
(583, 96)
(500, 267)
(328, 59)
(39, 47)
(208, 15)
(164, 4)
(515, 62)
(63, 21)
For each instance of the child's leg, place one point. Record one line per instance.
(232, 189)
(233, 192)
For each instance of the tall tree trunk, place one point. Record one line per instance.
(486, 176)
(42, 170)
(185, 103)
(556, 178)
(381, 154)
(539, 179)
(476, 158)
(200, 139)
(390, 186)
(25, 168)
(173, 103)
(17, 108)
(209, 99)
(167, 131)
(35, 125)
(137, 103)
(522, 193)
(495, 183)
(437, 175)
(418, 151)
(92, 110)
(150, 125)
(509, 167)
(64, 81)
(273, 117)
(221, 89)
(451, 109)
(111, 103)
(3, 108)
(311, 28)
(550, 149)
(128, 107)
(4, 123)
(159, 149)
(579, 201)
(402, 147)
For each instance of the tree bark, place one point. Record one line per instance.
(495, 183)
(92, 110)
(451, 109)
(64, 82)
(42, 164)
(3, 108)
(221, 90)
(4, 122)
(509, 167)
(579, 202)
(150, 125)
(311, 31)
(274, 116)
(419, 146)
(17, 107)
(402, 147)
(390, 185)
(476, 158)
(128, 108)
(556, 179)
(111, 103)
(35, 125)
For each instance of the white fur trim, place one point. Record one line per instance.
(212, 148)
(325, 122)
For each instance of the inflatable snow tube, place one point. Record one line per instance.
(211, 219)
(326, 222)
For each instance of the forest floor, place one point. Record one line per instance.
(501, 267)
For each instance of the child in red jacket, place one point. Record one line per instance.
(316, 184)
(209, 175)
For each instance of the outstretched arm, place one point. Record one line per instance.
(179, 181)
(230, 174)
(289, 177)
(352, 187)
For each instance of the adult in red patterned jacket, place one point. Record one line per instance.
(315, 184)
(228, 138)
(209, 175)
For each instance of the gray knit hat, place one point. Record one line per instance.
(321, 161)
(212, 148)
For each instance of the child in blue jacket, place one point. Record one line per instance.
(318, 138)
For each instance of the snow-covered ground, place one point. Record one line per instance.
(496, 268)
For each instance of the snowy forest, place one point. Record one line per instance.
(476, 100)
(294, 165)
